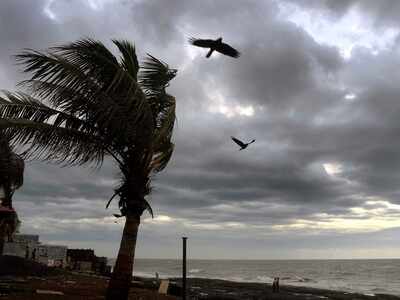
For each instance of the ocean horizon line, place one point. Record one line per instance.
(263, 259)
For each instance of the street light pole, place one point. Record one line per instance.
(184, 239)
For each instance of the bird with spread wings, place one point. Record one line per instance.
(215, 45)
(241, 144)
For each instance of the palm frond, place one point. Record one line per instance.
(154, 78)
(148, 208)
(155, 75)
(129, 61)
(166, 119)
(51, 143)
(93, 58)
(65, 84)
(61, 68)
(23, 106)
(111, 199)
(55, 69)
(162, 157)
(98, 62)
(68, 78)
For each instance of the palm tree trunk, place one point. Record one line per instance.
(121, 278)
(7, 201)
(2, 241)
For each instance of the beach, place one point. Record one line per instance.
(79, 286)
(22, 279)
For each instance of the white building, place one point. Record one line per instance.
(21, 244)
(52, 255)
(28, 246)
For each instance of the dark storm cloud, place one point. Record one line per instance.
(275, 71)
(279, 59)
(51, 182)
(301, 120)
(290, 174)
(18, 30)
(44, 23)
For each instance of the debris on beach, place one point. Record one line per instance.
(48, 292)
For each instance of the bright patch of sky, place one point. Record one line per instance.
(332, 168)
(93, 4)
(219, 105)
(160, 219)
(363, 221)
(376, 214)
(346, 33)
(96, 4)
(48, 11)
(384, 203)
(50, 225)
(350, 96)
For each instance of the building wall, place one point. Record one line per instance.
(15, 249)
(85, 266)
(18, 246)
(55, 252)
(53, 255)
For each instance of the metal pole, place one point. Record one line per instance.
(184, 239)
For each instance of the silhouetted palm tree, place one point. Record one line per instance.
(93, 104)
(11, 178)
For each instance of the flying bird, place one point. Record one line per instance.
(215, 45)
(241, 144)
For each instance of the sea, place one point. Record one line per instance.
(380, 276)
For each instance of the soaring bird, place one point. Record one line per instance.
(241, 144)
(215, 45)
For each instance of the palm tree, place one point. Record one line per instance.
(84, 103)
(11, 178)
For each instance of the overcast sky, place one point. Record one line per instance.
(318, 87)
